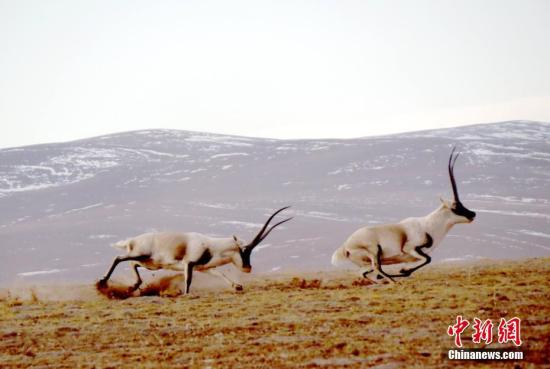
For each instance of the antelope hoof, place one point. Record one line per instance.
(405, 272)
(238, 287)
(102, 283)
(366, 274)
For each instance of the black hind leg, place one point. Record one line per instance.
(139, 281)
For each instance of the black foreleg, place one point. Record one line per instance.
(120, 259)
(189, 277)
(379, 260)
(427, 258)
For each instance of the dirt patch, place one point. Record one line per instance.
(305, 284)
(115, 290)
(169, 286)
(362, 282)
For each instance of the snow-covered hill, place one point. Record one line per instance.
(61, 205)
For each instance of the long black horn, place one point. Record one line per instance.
(451, 166)
(262, 233)
(273, 226)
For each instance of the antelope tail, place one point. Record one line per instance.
(122, 244)
(339, 256)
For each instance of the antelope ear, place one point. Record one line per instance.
(235, 238)
(445, 203)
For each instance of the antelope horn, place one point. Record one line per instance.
(263, 233)
(452, 162)
(273, 226)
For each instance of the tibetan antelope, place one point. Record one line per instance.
(187, 252)
(409, 241)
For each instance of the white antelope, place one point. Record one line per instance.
(409, 241)
(188, 251)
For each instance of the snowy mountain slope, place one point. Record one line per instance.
(61, 205)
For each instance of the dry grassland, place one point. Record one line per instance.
(323, 320)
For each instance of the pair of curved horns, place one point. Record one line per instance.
(263, 233)
(452, 161)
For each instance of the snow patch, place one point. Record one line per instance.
(321, 215)
(243, 224)
(286, 148)
(91, 265)
(533, 155)
(198, 170)
(83, 208)
(100, 236)
(319, 148)
(224, 140)
(39, 272)
(229, 154)
(262, 246)
(343, 187)
(158, 153)
(533, 233)
(217, 205)
(525, 200)
(515, 213)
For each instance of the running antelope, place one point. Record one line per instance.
(188, 251)
(409, 241)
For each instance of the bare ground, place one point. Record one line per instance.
(315, 320)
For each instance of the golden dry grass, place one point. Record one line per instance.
(286, 322)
